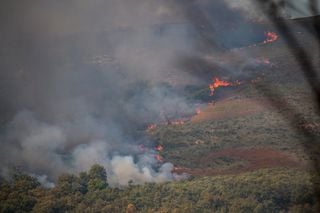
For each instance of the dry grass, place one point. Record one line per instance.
(231, 108)
(252, 159)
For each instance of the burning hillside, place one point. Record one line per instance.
(79, 94)
(216, 83)
(270, 37)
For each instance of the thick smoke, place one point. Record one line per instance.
(80, 79)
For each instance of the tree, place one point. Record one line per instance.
(97, 178)
(68, 184)
(17, 196)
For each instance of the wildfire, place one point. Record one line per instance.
(159, 148)
(270, 37)
(151, 127)
(177, 122)
(217, 83)
(159, 158)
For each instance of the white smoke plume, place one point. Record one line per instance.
(80, 79)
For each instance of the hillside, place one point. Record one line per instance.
(248, 124)
(251, 146)
(269, 190)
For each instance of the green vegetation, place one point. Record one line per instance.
(269, 190)
(271, 127)
(281, 189)
(273, 187)
(185, 144)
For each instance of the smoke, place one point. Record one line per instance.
(249, 7)
(80, 80)
(126, 170)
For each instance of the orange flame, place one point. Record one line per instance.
(159, 148)
(159, 158)
(217, 83)
(270, 37)
(151, 127)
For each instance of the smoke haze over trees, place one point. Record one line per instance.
(71, 73)
(82, 80)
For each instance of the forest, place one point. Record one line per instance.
(267, 190)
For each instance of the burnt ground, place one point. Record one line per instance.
(247, 128)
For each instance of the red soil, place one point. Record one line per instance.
(231, 108)
(257, 158)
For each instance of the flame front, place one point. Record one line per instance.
(151, 127)
(270, 37)
(217, 83)
(159, 158)
(159, 148)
